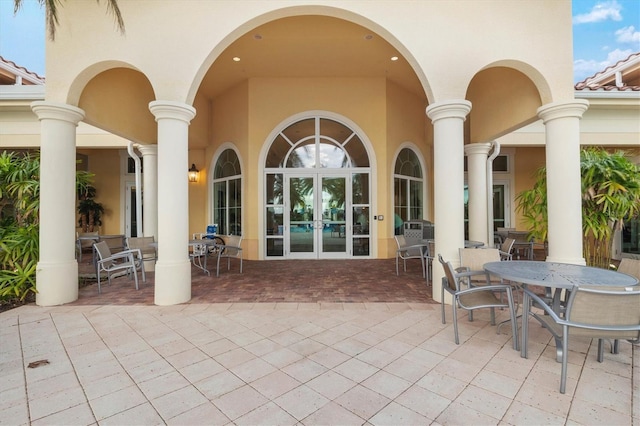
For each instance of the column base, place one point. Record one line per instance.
(570, 260)
(172, 283)
(56, 282)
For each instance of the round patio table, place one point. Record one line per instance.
(558, 276)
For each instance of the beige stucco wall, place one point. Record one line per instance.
(247, 115)
(611, 120)
(406, 126)
(527, 162)
(105, 164)
(428, 33)
(448, 43)
(502, 99)
(117, 100)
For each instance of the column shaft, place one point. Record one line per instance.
(150, 195)
(477, 154)
(57, 269)
(173, 269)
(448, 149)
(564, 192)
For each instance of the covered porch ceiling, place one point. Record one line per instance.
(308, 46)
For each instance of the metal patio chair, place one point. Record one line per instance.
(230, 250)
(128, 261)
(630, 267)
(472, 298)
(145, 245)
(596, 312)
(506, 249)
(409, 250)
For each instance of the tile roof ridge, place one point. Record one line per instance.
(14, 65)
(592, 82)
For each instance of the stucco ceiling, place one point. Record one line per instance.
(308, 46)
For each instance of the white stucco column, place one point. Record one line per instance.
(173, 269)
(564, 193)
(150, 198)
(477, 154)
(448, 171)
(57, 269)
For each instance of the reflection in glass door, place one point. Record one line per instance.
(302, 221)
(316, 217)
(334, 225)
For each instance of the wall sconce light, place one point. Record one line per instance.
(194, 174)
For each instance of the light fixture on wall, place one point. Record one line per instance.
(194, 174)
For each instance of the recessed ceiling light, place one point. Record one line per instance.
(394, 58)
(368, 37)
(236, 59)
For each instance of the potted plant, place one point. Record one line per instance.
(90, 211)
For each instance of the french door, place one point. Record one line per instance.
(316, 216)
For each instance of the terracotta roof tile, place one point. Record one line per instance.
(605, 80)
(31, 73)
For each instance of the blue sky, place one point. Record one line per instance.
(604, 32)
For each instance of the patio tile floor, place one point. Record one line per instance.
(312, 349)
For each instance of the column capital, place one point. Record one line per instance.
(478, 148)
(556, 110)
(172, 109)
(456, 108)
(57, 111)
(147, 149)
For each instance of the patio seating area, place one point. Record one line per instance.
(314, 345)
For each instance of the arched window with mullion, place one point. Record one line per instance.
(227, 193)
(408, 190)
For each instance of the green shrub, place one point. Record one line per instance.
(20, 220)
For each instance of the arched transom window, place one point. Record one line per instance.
(317, 143)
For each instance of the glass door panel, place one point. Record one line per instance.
(131, 221)
(498, 207)
(302, 222)
(334, 225)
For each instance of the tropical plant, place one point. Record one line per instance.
(51, 13)
(19, 208)
(610, 196)
(19, 222)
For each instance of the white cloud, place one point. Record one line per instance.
(600, 12)
(628, 35)
(618, 55)
(583, 68)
